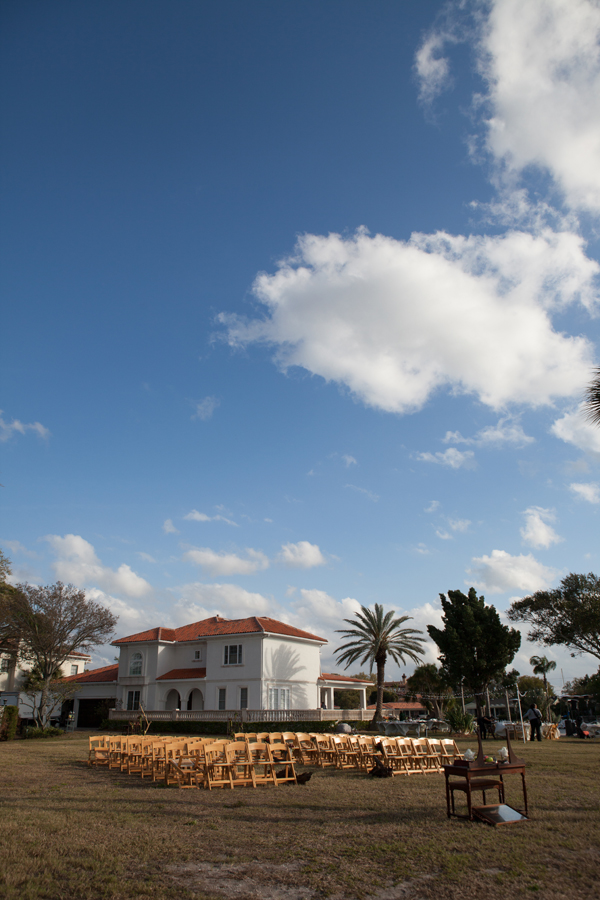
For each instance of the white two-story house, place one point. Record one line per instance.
(216, 664)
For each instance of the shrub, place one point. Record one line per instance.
(458, 720)
(32, 731)
(10, 723)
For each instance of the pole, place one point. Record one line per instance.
(508, 705)
(488, 700)
(462, 694)
(521, 714)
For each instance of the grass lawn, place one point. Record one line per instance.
(69, 831)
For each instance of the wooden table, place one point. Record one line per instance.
(470, 771)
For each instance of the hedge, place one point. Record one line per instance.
(226, 727)
(10, 723)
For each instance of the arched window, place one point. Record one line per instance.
(135, 664)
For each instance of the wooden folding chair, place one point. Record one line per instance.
(114, 751)
(305, 751)
(242, 770)
(424, 758)
(99, 751)
(450, 751)
(368, 751)
(393, 756)
(262, 763)
(218, 770)
(326, 754)
(281, 754)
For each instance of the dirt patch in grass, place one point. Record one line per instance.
(74, 832)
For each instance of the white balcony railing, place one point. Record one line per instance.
(244, 715)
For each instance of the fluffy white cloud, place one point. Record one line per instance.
(206, 408)
(77, 563)
(302, 555)
(574, 428)
(502, 572)
(452, 457)
(224, 563)
(195, 516)
(169, 528)
(589, 491)
(9, 429)
(199, 601)
(349, 460)
(393, 321)
(542, 66)
(131, 619)
(506, 431)
(537, 530)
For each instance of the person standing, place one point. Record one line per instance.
(535, 721)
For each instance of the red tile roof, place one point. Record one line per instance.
(177, 674)
(106, 673)
(328, 676)
(216, 626)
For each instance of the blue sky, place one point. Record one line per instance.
(300, 305)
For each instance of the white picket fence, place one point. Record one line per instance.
(244, 715)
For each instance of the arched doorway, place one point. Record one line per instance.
(195, 700)
(173, 700)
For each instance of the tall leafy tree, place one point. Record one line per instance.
(372, 638)
(429, 684)
(568, 615)
(475, 647)
(44, 625)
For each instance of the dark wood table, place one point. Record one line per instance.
(474, 771)
(466, 772)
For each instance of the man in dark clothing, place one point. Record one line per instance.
(535, 720)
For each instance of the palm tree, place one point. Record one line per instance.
(541, 666)
(592, 399)
(372, 638)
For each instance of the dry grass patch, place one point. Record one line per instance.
(74, 832)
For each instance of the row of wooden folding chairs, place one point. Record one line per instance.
(196, 762)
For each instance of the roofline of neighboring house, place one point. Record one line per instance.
(261, 624)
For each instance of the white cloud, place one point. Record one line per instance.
(537, 530)
(18, 548)
(146, 557)
(195, 516)
(322, 613)
(205, 408)
(574, 428)
(349, 460)
(77, 563)
(461, 525)
(542, 66)
(452, 457)
(131, 619)
(432, 68)
(9, 429)
(359, 490)
(224, 563)
(589, 491)
(433, 506)
(394, 321)
(443, 534)
(169, 528)
(199, 601)
(302, 555)
(506, 431)
(502, 572)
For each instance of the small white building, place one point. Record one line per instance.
(13, 675)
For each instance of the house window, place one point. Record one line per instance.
(222, 698)
(4, 664)
(73, 670)
(244, 698)
(133, 700)
(197, 655)
(233, 655)
(135, 664)
(279, 698)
